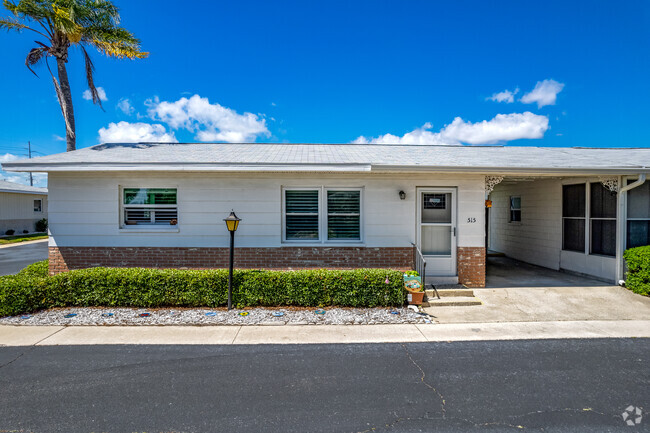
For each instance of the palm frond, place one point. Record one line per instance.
(33, 9)
(120, 50)
(63, 21)
(10, 24)
(90, 68)
(34, 56)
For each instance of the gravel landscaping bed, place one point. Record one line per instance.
(218, 316)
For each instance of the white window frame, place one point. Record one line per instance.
(626, 181)
(590, 219)
(322, 216)
(585, 218)
(511, 209)
(40, 205)
(147, 227)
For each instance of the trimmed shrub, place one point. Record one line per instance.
(32, 289)
(10, 232)
(25, 231)
(638, 270)
(38, 269)
(41, 225)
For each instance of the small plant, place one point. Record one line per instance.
(637, 278)
(25, 231)
(10, 232)
(411, 274)
(41, 225)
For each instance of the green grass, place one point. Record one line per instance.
(22, 238)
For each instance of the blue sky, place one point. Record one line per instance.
(340, 71)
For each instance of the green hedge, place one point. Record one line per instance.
(32, 289)
(638, 270)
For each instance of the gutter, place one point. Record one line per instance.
(634, 184)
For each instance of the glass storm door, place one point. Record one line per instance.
(437, 230)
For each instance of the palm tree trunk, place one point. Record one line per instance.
(66, 105)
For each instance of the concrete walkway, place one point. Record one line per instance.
(318, 334)
(518, 292)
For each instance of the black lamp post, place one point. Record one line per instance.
(232, 222)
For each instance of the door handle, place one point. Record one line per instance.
(454, 231)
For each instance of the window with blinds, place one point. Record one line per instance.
(344, 215)
(150, 206)
(322, 214)
(301, 214)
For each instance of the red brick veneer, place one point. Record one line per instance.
(67, 258)
(471, 266)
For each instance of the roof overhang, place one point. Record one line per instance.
(27, 166)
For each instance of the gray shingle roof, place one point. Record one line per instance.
(6, 186)
(338, 157)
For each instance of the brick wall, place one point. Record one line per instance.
(66, 258)
(471, 266)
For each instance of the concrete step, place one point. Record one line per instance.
(450, 292)
(452, 301)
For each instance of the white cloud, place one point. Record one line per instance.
(100, 91)
(40, 179)
(506, 96)
(125, 132)
(209, 122)
(125, 106)
(502, 128)
(544, 93)
(57, 137)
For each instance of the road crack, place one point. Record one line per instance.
(423, 377)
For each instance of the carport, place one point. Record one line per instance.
(504, 272)
(575, 223)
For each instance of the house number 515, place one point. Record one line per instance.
(471, 220)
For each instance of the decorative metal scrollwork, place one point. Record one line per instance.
(611, 183)
(491, 182)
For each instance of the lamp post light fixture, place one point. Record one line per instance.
(232, 222)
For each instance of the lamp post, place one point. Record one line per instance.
(232, 222)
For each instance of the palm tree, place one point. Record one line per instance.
(66, 23)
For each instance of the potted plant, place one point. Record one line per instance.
(413, 287)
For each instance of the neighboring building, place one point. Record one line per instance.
(21, 206)
(345, 206)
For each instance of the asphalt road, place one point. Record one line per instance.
(551, 386)
(15, 258)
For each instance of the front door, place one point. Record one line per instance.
(437, 229)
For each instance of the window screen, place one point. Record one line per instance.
(573, 217)
(638, 215)
(602, 219)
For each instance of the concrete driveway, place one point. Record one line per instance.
(14, 257)
(518, 292)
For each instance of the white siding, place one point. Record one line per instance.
(537, 239)
(14, 206)
(84, 209)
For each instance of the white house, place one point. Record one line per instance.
(345, 206)
(21, 206)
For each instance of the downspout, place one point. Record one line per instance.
(622, 212)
